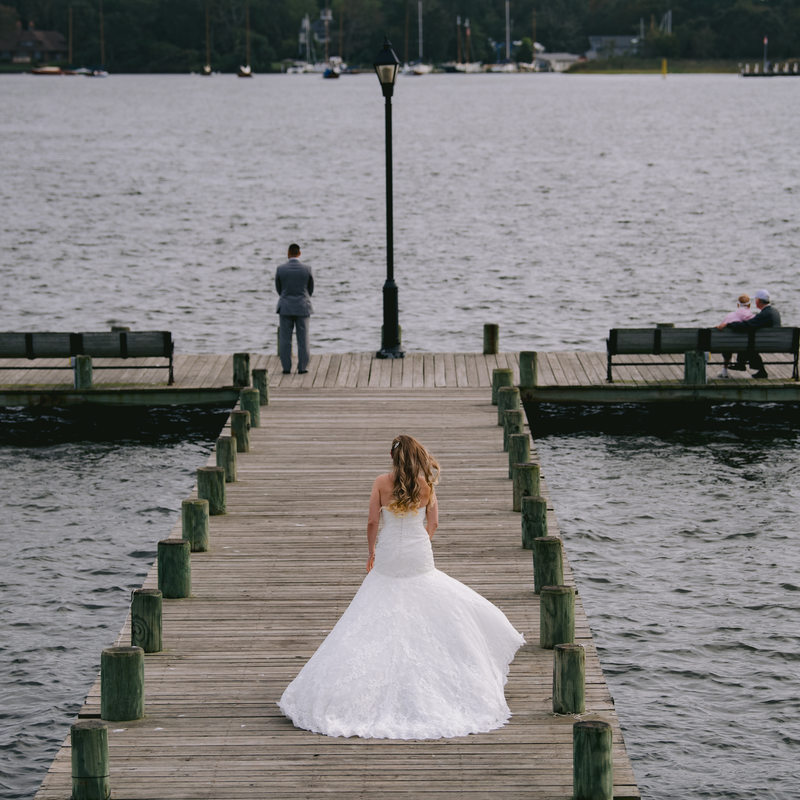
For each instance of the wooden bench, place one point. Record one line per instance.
(665, 341)
(104, 344)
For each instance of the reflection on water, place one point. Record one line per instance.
(685, 551)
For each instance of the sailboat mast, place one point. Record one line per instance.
(247, 31)
(508, 31)
(102, 38)
(419, 28)
(208, 38)
(458, 39)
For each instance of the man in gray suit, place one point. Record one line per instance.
(295, 285)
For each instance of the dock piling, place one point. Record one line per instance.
(556, 616)
(89, 752)
(507, 400)
(174, 568)
(122, 683)
(82, 372)
(491, 338)
(226, 457)
(569, 679)
(534, 520)
(501, 376)
(528, 368)
(526, 483)
(519, 451)
(548, 563)
(240, 428)
(211, 487)
(513, 422)
(241, 369)
(694, 368)
(250, 400)
(592, 767)
(146, 619)
(194, 524)
(261, 382)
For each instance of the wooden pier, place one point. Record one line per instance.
(284, 563)
(563, 377)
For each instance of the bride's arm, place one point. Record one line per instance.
(432, 517)
(372, 521)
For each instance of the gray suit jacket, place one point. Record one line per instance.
(295, 285)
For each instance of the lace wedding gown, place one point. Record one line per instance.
(416, 655)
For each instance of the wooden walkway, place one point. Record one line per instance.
(283, 565)
(208, 378)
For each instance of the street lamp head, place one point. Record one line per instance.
(386, 64)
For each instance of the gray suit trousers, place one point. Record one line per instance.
(290, 322)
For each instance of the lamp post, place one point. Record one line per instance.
(386, 65)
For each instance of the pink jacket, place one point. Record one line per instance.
(741, 314)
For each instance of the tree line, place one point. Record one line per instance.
(170, 35)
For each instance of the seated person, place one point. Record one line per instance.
(767, 317)
(741, 313)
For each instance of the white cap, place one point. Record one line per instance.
(762, 294)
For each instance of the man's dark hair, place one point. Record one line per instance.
(294, 250)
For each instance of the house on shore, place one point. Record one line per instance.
(31, 46)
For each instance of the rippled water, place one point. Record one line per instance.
(558, 206)
(686, 557)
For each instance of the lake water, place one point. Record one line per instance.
(557, 206)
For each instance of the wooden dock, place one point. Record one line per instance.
(284, 563)
(564, 377)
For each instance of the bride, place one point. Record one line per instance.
(416, 655)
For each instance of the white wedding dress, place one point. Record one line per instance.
(416, 655)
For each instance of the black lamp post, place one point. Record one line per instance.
(386, 65)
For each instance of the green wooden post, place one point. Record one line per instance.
(211, 487)
(526, 483)
(592, 765)
(501, 376)
(556, 616)
(146, 620)
(174, 568)
(226, 457)
(491, 338)
(240, 428)
(241, 369)
(513, 422)
(569, 679)
(694, 367)
(534, 520)
(548, 562)
(82, 372)
(507, 400)
(519, 451)
(261, 382)
(194, 524)
(528, 368)
(250, 400)
(122, 683)
(89, 751)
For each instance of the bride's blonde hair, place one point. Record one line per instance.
(410, 460)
